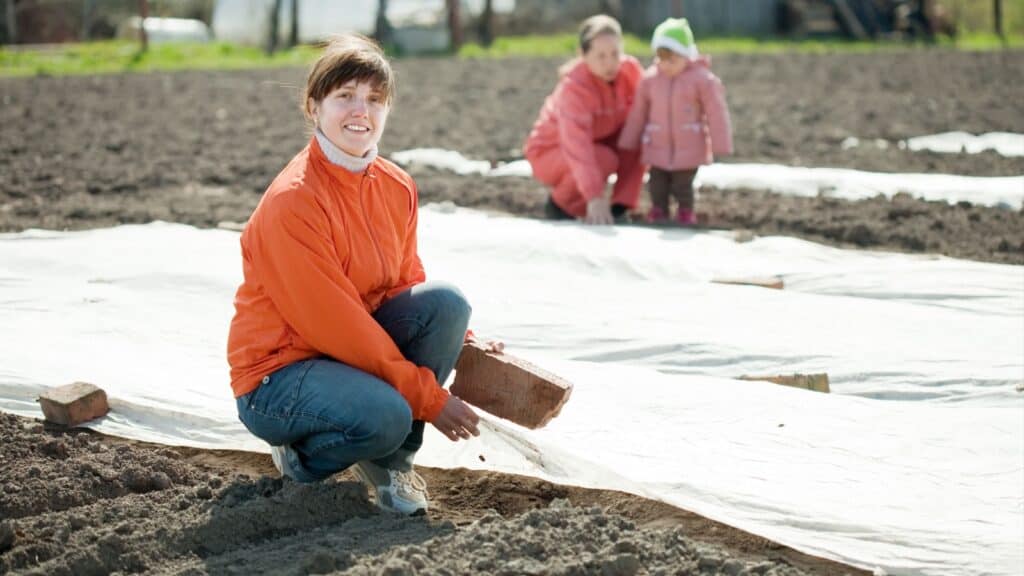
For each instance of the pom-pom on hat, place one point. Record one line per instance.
(674, 34)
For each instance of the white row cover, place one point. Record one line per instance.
(914, 464)
(1006, 191)
(1003, 143)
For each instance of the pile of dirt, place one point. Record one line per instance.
(200, 147)
(75, 502)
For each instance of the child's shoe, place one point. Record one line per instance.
(656, 215)
(686, 217)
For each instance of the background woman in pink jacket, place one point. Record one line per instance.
(573, 146)
(680, 116)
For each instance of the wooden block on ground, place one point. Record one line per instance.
(509, 387)
(73, 404)
(742, 236)
(231, 225)
(814, 382)
(773, 282)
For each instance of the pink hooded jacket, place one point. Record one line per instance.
(583, 110)
(682, 121)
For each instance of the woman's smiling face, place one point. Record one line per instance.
(352, 116)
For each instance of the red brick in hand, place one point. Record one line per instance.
(509, 387)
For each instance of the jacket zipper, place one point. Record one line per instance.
(369, 227)
(671, 123)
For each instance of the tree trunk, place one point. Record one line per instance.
(88, 7)
(454, 25)
(143, 14)
(383, 27)
(485, 29)
(275, 22)
(11, 16)
(997, 7)
(293, 36)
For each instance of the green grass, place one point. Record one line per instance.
(565, 45)
(119, 56)
(974, 16)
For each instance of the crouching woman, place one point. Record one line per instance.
(338, 344)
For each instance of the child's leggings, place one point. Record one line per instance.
(678, 183)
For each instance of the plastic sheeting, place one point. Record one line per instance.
(1003, 143)
(914, 464)
(1006, 191)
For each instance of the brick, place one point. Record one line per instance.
(773, 282)
(814, 382)
(509, 387)
(74, 403)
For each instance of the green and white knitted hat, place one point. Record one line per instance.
(674, 34)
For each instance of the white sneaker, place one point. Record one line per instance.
(400, 491)
(277, 454)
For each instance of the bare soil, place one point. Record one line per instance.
(200, 147)
(74, 502)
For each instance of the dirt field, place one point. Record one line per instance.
(78, 503)
(200, 148)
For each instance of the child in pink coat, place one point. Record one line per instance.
(680, 116)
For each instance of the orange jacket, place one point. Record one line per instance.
(324, 248)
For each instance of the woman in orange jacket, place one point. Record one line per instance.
(573, 147)
(338, 346)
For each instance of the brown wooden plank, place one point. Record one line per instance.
(814, 382)
(773, 282)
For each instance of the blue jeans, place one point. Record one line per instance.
(329, 415)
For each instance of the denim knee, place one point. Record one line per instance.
(452, 301)
(388, 429)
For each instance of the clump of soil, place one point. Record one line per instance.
(75, 502)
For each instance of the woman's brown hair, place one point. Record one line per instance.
(346, 58)
(595, 26)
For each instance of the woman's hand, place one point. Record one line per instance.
(492, 346)
(495, 346)
(599, 212)
(457, 420)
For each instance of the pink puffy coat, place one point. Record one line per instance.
(682, 121)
